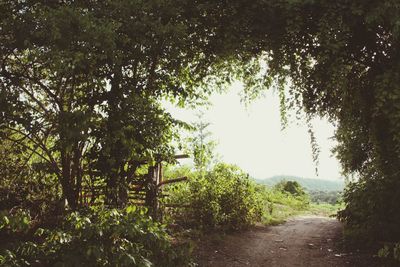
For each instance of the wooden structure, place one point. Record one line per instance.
(155, 182)
(144, 190)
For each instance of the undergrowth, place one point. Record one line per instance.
(92, 237)
(225, 198)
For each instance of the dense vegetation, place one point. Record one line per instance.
(330, 197)
(224, 198)
(309, 184)
(93, 237)
(320, 191)
(81, 84)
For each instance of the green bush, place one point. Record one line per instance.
(23, 183)
(367, 226)
(296, 202)
(290, 187)
(17, 221)
(391, 253)
(290, 193)
(102, 237)
(224, 197)
(329, 197)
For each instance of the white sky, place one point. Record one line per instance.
(252, 137)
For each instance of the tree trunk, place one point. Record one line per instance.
(67, 184)
(114, 125)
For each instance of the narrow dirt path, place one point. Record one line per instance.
(301, 241)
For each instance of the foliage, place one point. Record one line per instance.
(346, 68)
(17, 221)
(330, 197)
(72, 73)
(224, 198)
(378, 222)
(290, 187)
(325, 209)
(81, 84)
(309, 184)
(200, 146)
(320, 191)
(282, 204)
(390, 252)
(205, 200)
(339, 60)
(384, 252)
(279, 197)
(102, 237)
(22, 183)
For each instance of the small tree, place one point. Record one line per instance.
(291, 187)
(201, 146)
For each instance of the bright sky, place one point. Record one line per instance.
(252, 137)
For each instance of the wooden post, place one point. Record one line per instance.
(160, 173)
(159, 191)
(151, 191)
(153, 188)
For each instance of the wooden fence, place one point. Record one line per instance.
(146, 190)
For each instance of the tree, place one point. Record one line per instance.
(291, 187)
(81, 83)
(74, 96)
(201, 146)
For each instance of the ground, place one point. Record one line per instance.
(301, 241)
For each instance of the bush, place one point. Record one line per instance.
(285, 199)
(103, 237)
(290, 187)
(23, 183)
(17, 221)
(296, 202)
(368, 226)
(290, 193)
(330, 197)
(391, 253)
(224, 197)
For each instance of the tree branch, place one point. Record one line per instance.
(37, 142)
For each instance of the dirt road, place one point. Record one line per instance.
(301, 241)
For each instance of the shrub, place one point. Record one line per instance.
(17, 221)
(102, 237)
(330, 197)
(367, 226)
(224, 197)
(290, 193)
(391, 253)
(290, 187)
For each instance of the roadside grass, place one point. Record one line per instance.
(280, 214)
(283, 206)
(324, 209)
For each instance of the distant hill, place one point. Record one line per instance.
(309, 184)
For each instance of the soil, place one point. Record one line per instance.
(301, 241)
